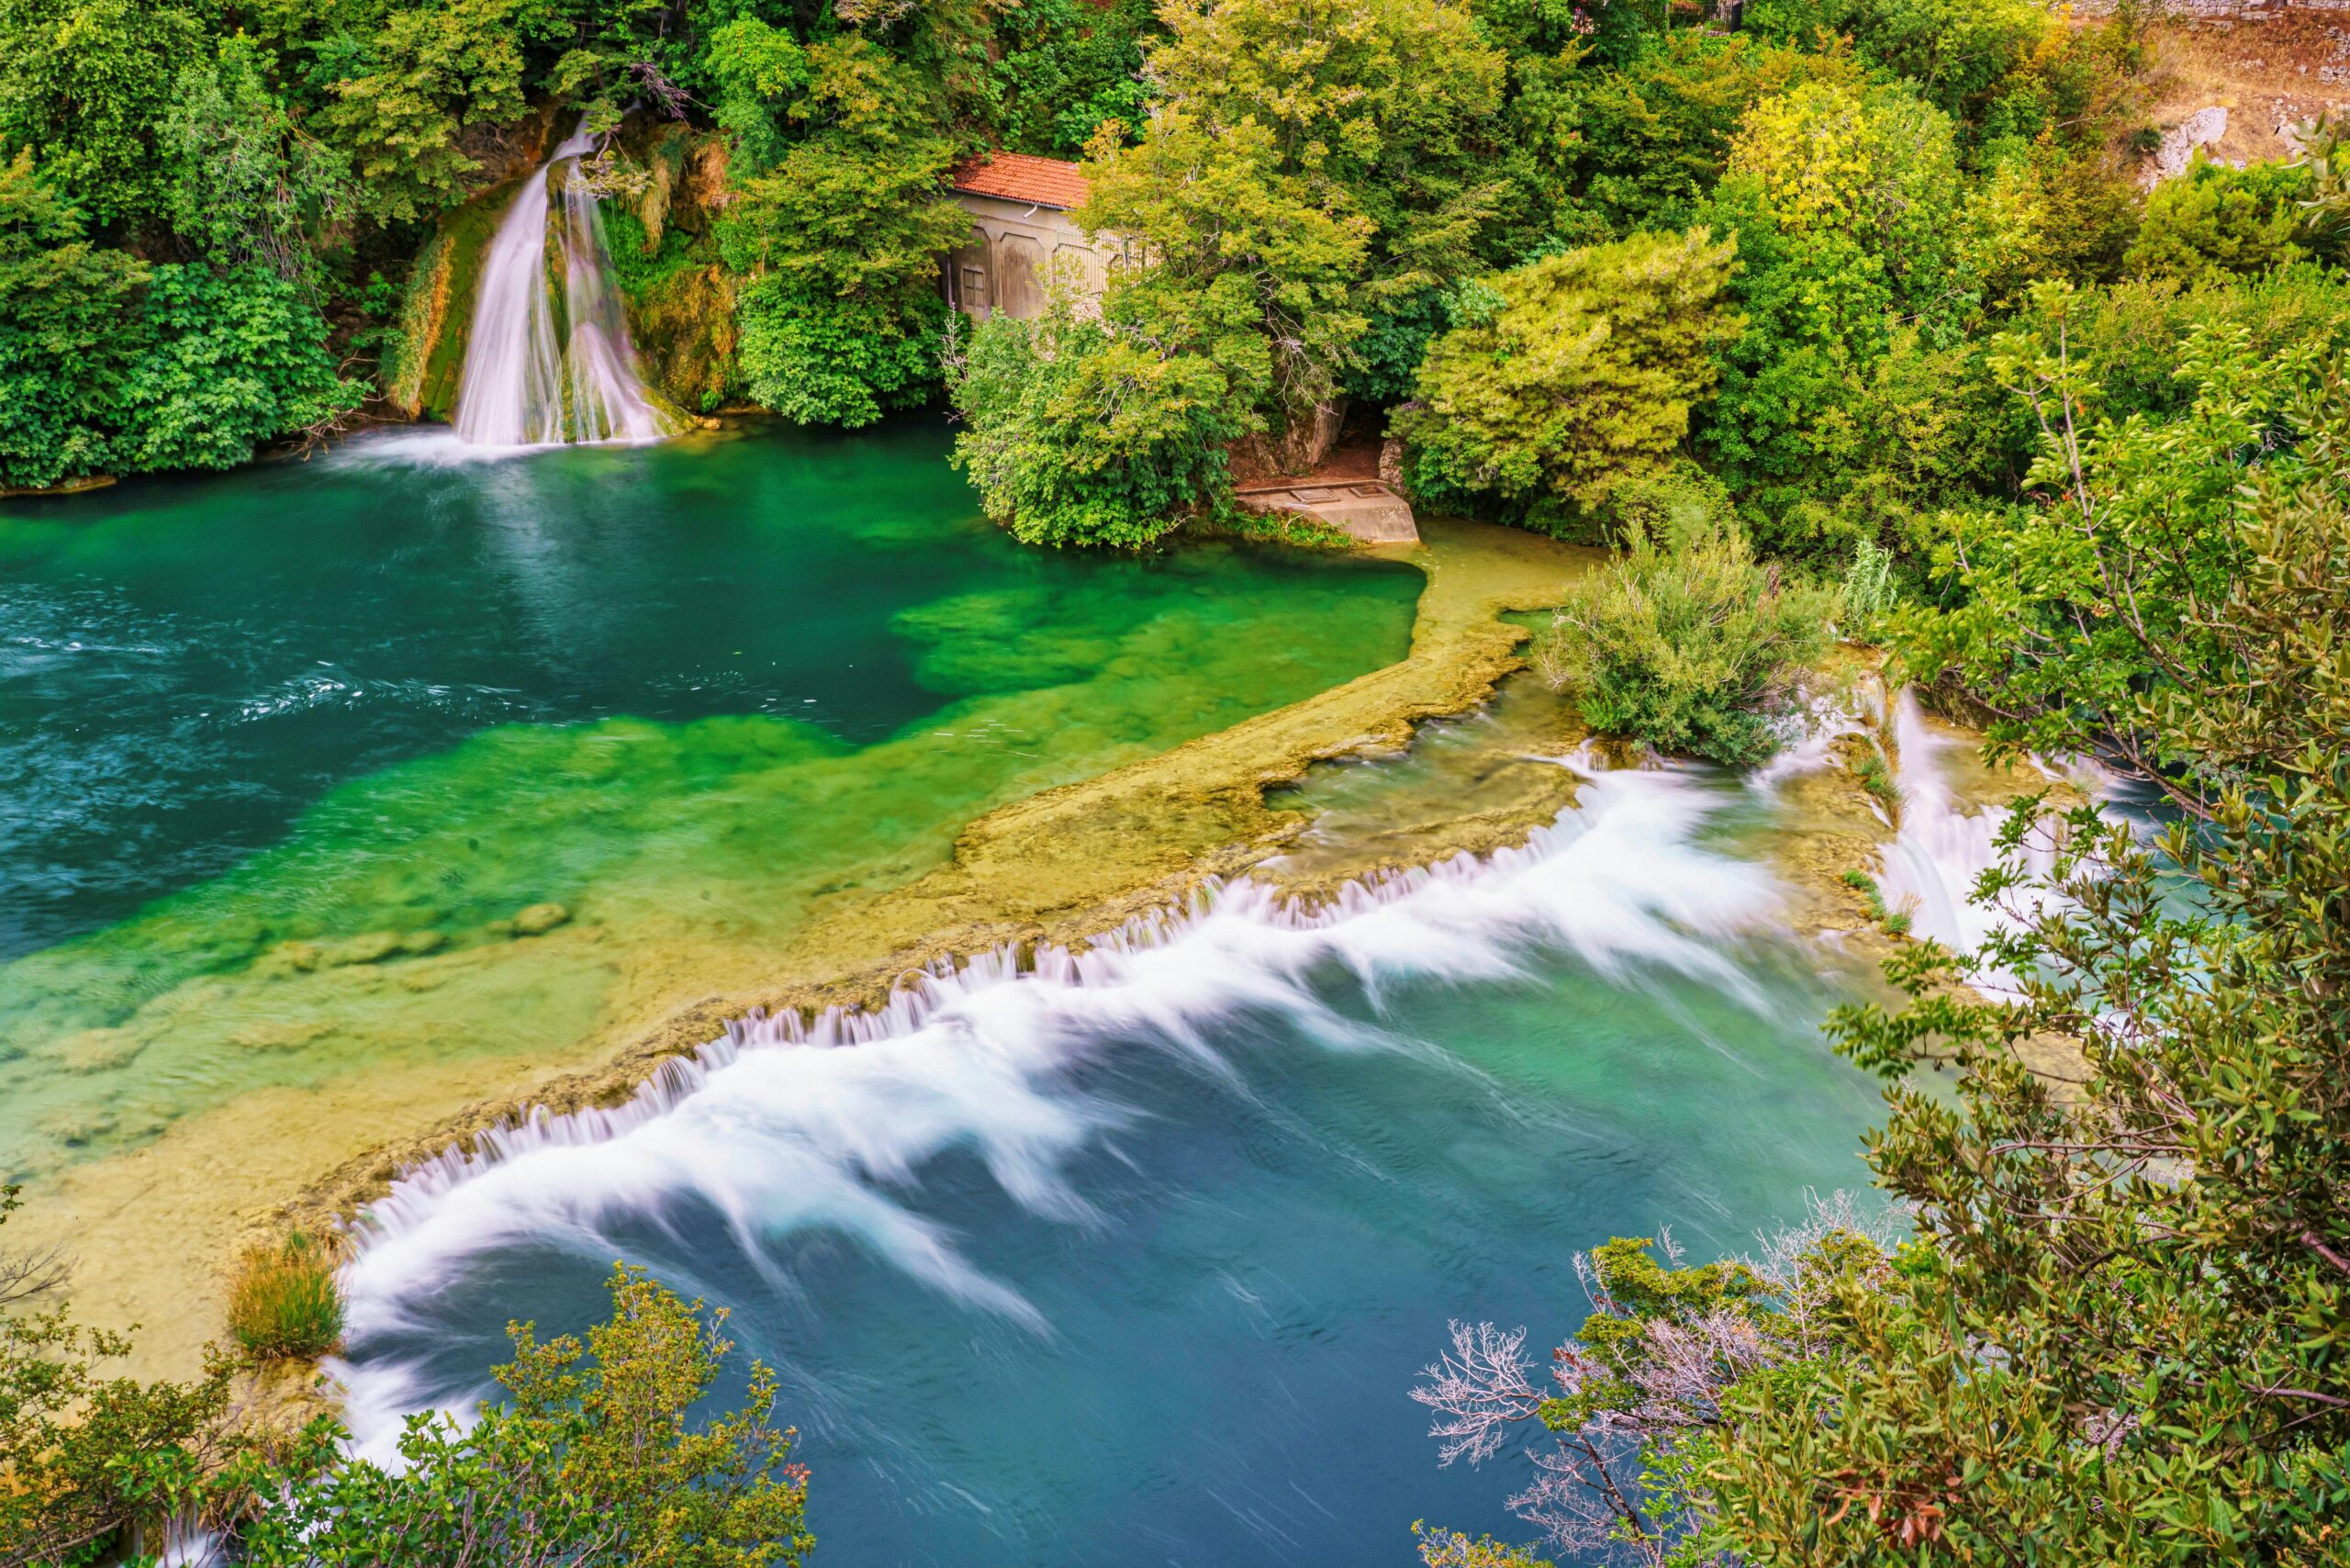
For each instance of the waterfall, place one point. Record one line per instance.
(548, 359)
(1941, 849)
(786, 1124)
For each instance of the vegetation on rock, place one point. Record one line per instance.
(1688, 644)
(283, 1300)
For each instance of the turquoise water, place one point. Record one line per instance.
(1134, 1263)
(1140, 1266)
(283, 753)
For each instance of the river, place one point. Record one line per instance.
(326, 778)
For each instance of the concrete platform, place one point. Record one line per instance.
(1369, 509)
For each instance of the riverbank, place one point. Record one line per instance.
(168, 1216)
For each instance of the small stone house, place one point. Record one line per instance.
(1021, 208)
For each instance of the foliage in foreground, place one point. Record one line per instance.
(1687, 644)
(2122, 1334)
(90, 1457)
(594, 1457)
(591, 1460)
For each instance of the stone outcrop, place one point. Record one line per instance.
(2200, 129)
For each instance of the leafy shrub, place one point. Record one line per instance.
(283, 1299)
(226, 360)
(1065, 67)
(1688, 650)
(110, 366)
(600, 1453)
(1959, 49)
(1869, 591)
(837, 362)
(2214, 220)
(61, 304)
(1081, 435)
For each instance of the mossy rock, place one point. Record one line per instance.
(539, 919)
(681, 302)
(438, 310)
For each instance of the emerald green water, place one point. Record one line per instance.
(283, 753)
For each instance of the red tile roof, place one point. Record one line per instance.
(1016, 176)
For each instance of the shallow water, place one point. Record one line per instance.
(1133, 1258)
(283, 752)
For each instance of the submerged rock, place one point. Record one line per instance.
(539, 919)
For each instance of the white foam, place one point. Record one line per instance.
(1938, 856)
(780, 1127)
(532, 379)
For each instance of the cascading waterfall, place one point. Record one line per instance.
(1941, 850)
(548, 359)
(775, 1133)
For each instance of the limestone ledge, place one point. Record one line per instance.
(155, 1227)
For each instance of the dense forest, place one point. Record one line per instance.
(1860, 311)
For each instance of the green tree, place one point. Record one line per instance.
(2126, 1339)
(1574, 373)
(594, 1455)
(1845, 205)
(247, 184)
(2215, 220)
(842, 318)
(86, 88)
(592, 1458)
(759, 71)
(1653, 139)
(224, 362)
(1302, 166)
(89, 1457)
(1065, 67)
(62, 349)
(2165, 493)
(426, 72)
(1078, 432)
(1956, 52)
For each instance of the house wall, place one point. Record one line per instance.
(1007, 268)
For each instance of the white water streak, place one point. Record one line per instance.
(780, 1132)
(1941, 850)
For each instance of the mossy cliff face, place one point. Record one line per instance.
(421, 378)
(421, 381)
(681, 299)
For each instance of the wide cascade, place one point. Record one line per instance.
(549, 358)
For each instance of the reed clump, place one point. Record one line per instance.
(1895, 920)
(283, 1300)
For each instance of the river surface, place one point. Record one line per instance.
(1127, 1258)
(1134, 1257)
(282, 753)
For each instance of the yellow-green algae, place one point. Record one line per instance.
(367, 1048)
